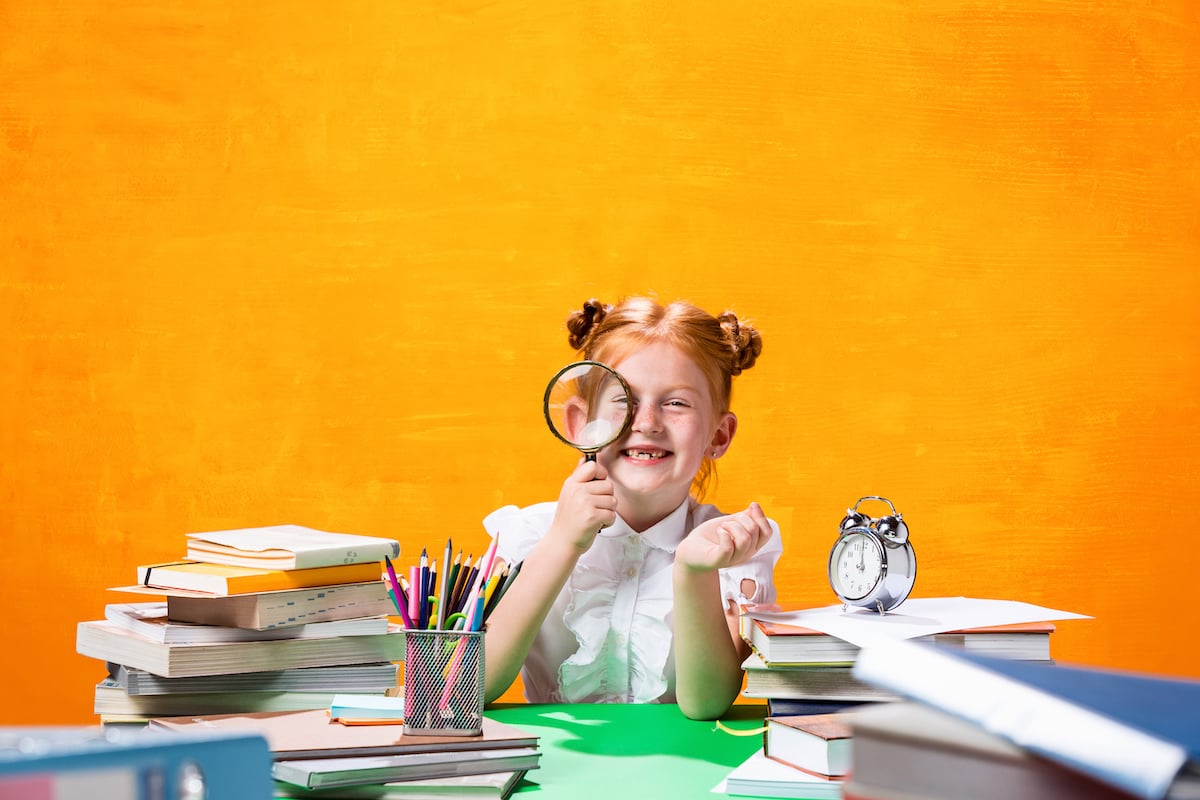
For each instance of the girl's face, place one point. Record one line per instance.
(673, 428)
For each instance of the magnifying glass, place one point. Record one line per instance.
(589, 406)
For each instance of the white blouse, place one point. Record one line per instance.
(608, 636)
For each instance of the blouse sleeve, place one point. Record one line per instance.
(760, 569)
(517, 530)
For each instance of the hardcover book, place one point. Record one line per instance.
(225, 579)
(816, 743)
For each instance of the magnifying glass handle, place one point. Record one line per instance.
(592, 457)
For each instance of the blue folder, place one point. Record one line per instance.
(133, 764)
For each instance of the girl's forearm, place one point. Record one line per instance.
(514, 623)
(708, 661)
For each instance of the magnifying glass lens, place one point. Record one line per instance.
(588, 406)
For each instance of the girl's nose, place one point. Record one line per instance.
(645, 418)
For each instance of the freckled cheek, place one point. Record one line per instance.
(689, 432)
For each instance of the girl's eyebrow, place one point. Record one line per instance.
(670, 390)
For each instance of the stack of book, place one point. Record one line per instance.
(260, 619)
(313, 756)
(804, 756)
(979, 727)
(797, 669)
(808, 678)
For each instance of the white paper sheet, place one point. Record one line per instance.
(916, 617)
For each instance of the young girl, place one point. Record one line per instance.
(630, 587)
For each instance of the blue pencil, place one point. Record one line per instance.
(423, 595)
(443, 590)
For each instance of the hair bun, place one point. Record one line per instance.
(745, 342)
(580, 324)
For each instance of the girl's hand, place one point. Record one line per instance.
(586, 504)
(725, 541)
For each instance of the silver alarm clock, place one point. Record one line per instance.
(872, 563)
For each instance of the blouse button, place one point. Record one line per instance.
(631, 573)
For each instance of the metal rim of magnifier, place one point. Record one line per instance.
(592, 449)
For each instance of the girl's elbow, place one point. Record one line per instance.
(706, 709)
(706, 705)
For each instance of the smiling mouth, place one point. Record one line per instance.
(641, 454)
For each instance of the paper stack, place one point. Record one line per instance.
(801, 660)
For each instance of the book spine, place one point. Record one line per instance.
(146, 574)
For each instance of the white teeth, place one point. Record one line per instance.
(643, 455)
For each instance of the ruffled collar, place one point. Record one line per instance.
(664, 535)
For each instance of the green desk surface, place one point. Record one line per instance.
(630, 751)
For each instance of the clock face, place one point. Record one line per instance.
(856, 565)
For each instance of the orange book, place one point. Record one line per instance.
(222, 579)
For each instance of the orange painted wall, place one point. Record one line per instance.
(264, 263)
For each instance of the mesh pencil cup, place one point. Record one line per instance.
(443, 683)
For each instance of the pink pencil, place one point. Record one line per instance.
(474, 623)
(414, 592)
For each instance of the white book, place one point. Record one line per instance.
(111, 699)
(316, 773)
(281, 609)
(812, 682)
(102, 640)
(150, 620)
(760, 776)
(488, 786)
(288, 547)
(374, 678)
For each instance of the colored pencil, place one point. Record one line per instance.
(444, 590)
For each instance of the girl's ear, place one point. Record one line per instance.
(723, 435)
